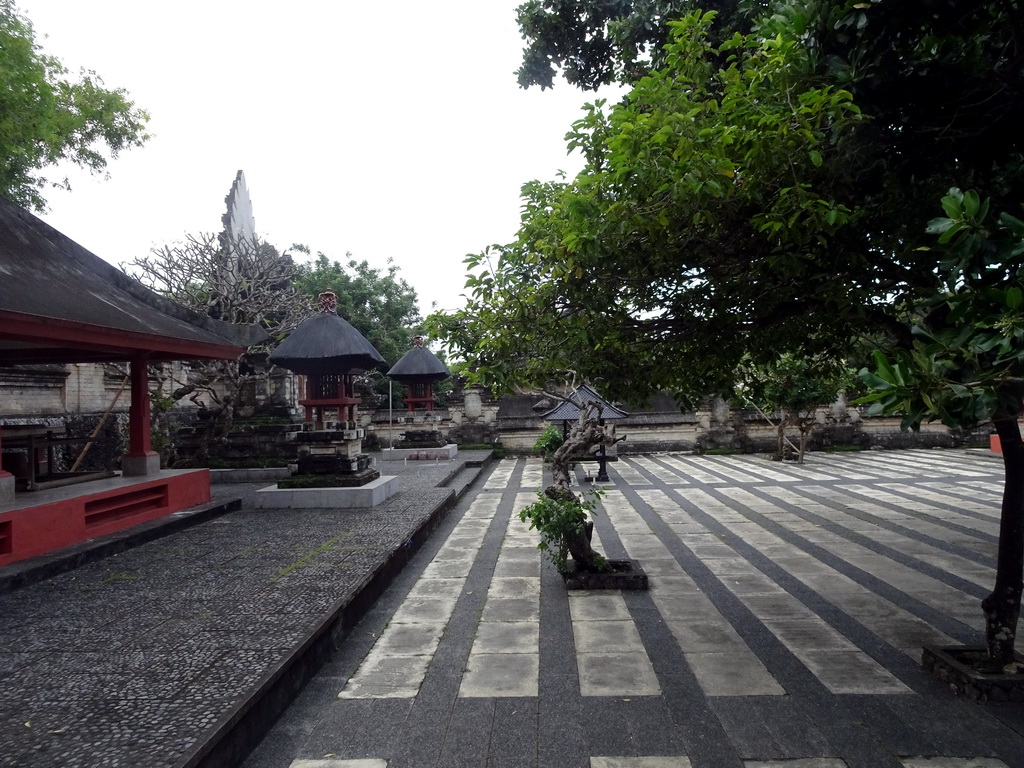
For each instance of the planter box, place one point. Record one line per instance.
(952, 665)
(624, 574)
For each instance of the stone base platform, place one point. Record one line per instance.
(623, 574)
(953, 665)
(444, 453)
(363, 497)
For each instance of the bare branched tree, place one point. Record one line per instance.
(237, 280)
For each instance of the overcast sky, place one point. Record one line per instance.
(388, 131)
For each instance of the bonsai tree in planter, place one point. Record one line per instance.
(561, 517)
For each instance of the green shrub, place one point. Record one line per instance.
(549, 441)
(557, 519)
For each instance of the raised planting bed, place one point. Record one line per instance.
(346, 480)
(623, 574)
(965, 669)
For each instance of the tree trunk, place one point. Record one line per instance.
(1002, 607)
(585, 434)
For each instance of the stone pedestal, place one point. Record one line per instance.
(334, 452)
(443, 453)
(6, 488)
(364, 497)
(140, 466)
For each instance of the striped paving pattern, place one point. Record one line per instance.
(783, 627)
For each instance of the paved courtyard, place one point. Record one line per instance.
(783, 628)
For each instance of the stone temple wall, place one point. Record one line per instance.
(75, 396)
(718, 427)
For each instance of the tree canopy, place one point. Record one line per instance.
(940, 83)
(966, 364)
(707, 222)
(743, 199)
(965, 367)
(47, 118)
(597, 42)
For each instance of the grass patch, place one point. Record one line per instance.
(120, 576)
(327, 546)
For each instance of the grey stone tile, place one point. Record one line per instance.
(513, 567)
(387, 677)
(442, 587)
(500, 674)
(424, 610)
(616, 674)
(409, 639)
(851, 672)
(511, 609)
(694, 607)
(680, 761)
(507, 637)
(809, 634)
(606, 637)
(514, 587)
(952, 762)
(700, 637)
(598, 606)
(735, 673)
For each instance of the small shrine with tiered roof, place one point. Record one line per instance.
(331, 468)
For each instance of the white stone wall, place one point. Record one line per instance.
(28, 392)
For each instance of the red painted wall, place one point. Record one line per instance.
(37, 530)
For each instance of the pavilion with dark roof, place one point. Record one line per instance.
(418, 369)
(569, 411)
(60, 303)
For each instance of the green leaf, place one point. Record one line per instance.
(1014, 297)
(951, 203)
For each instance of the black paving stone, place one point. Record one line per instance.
(128, 660)
(770, 728)
(514, 734)
(469, 731)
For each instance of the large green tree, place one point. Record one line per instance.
(966, 367)
(598, 42)
(48, 117)
(758, 194)
(706, 224)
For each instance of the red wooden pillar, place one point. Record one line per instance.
(6, 479)
(141, 459)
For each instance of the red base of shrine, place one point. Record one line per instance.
(44, 521)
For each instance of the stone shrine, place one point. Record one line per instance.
(331, 468)
(418, 369)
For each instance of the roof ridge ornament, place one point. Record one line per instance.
(328, 301)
